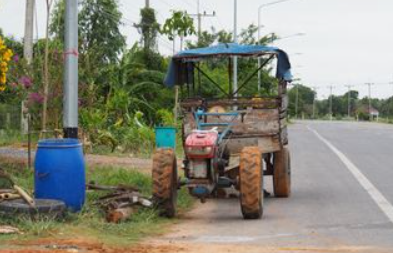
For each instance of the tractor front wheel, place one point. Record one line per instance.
(251, 183)
(165, 181)
(282, 173)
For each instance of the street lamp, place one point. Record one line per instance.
(259, 33)
(289, 36)
(259, 13)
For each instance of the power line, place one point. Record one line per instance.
(199, 16)
(131, 23)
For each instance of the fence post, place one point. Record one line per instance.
(28, 142)
(8, 121)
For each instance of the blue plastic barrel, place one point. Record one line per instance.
(60, 172)
(165, 137)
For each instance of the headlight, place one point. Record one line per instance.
(199, 150)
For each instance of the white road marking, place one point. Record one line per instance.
(236, 239)
(374, 193)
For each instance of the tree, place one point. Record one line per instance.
(205, 39)
(150, 28)
(304, 97)
(180, 24)
(100, 21)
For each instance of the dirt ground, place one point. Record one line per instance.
(18, 156)
(80, 245)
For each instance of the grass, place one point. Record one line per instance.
(90, 222)
(8, 137)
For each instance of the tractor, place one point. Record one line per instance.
(230, 140)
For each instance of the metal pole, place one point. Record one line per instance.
(27, 53)
(313, 103)
(235, 57)
(147, 3)
(391, 98)
(28, 142)
(369, 100)
(297, 101)
(259, 37)
(349, 100)
(70, 117)
(199, 21)
(29, 30)
(331, 103)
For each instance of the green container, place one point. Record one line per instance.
(165, 137)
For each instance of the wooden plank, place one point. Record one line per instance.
(254, 102)
(265, 144)
(284, 102)
(284, 135)
(283, 114)
(255, 122)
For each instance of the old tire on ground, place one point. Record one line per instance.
(44, 208)
(251, 183)
(165, 181)
(282, 173)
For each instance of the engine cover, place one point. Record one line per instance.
(201, 144)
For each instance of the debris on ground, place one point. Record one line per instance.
(22, 193)
(68, 248)
(5, 230)
(121, 202)
(9, 196)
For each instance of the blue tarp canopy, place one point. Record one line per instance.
(181, 63)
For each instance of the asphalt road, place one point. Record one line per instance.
(341, 199)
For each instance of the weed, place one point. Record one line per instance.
(90, 221)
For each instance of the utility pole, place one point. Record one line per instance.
(349, 100)
(235, 57)
(199, 16)
(27, 52)
(313, 103)
(297, 101)
(70, 114)
(391, 98)
(369, 100)
(147, 3)
(331, 102)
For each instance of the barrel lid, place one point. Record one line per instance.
(59, 143)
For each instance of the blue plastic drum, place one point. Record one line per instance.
(60, 172)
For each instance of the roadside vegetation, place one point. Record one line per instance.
(121, 91)
(307, 108)
(90, 222)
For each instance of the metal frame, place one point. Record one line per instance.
(230, 94)
(227, 126)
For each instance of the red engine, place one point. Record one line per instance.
(201, 144)
(201, 148)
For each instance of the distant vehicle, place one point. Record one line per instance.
(229, 141)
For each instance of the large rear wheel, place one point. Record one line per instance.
(282, 173)
(251, 183)
(165, 181)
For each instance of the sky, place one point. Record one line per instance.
(346, 42)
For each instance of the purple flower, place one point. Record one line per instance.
(16, 58)
(36, 97)
(25, 81)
